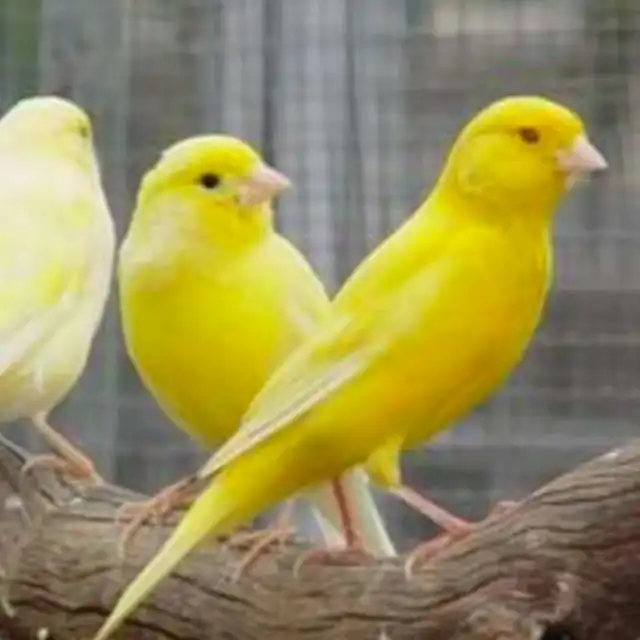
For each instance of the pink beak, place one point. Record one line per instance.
(264, 184)
(583, 157)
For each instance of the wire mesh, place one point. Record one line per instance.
(357, 100)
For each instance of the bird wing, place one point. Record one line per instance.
(41, 260)
(342, 349)
(315, 371)
(414, 262)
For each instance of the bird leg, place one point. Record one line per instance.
(67, 458)
(453, 525)
(262, 540)
(354, 551)
(176, 496)
(455, 528)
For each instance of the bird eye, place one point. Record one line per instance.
(529, 135)
(209, 180)
(85, 131)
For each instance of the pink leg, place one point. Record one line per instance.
(452, 525)
(455, 528)
(353, 552)
(68, 459)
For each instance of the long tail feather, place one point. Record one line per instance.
(367, 520)
(208, 515)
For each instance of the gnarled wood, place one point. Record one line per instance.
(565, 564)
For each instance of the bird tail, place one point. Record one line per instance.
(213, 513)
(367, 520)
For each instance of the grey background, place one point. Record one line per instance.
(357, 100)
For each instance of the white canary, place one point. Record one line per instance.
(57, 244)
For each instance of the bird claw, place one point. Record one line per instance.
(84, 472)
(153, 510)
(137, 514)
(427, 550)
(260, 542)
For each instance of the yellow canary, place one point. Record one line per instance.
(431, 323)
(57, 246)
(212, 299)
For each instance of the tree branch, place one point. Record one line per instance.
(565, 564)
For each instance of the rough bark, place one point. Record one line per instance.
(565, 564)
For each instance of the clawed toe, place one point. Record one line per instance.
(428, 550)
(153, 510)
(84, 472)
(260, 542)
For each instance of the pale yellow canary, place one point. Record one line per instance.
(57, 246)
(431, 323)
(212, 298)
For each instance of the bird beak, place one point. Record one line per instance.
(582, 157)
(264, 184)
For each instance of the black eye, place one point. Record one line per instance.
(209, 180)
(529, 135)
(85, 131)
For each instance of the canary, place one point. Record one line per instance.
(57, 246)
(212, 298)
(426, 327)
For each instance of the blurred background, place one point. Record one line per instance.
(357, 100)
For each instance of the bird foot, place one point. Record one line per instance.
(84, 471)
(259, 542)
(153, 510)
(428, 550)
(348, 557)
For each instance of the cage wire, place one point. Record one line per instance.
(357, 100)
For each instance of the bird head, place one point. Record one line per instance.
(522, 152)
(51, 124)
(221, 176)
